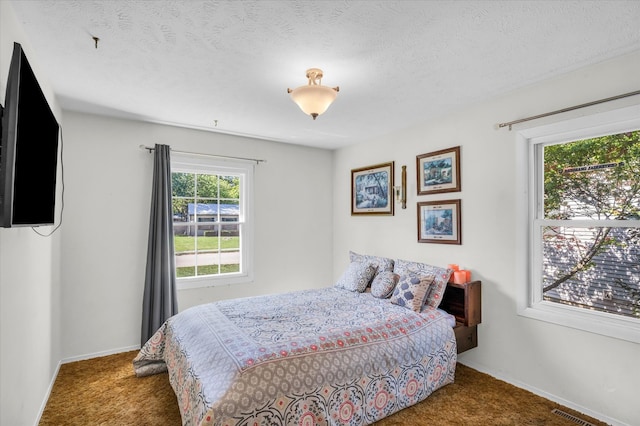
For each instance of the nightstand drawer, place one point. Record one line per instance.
(466, 337)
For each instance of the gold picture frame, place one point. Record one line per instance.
(440, 222)
(372, 190)
(438, 171)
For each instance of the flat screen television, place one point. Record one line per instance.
(28, 149)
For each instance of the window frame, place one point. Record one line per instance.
(529, 202)
(204, 164)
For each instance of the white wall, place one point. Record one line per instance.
(107, 201)
(29, 281)
(593, 373)
(98, 254)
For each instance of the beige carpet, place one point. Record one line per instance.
(105, 391)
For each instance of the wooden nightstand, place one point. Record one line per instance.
(464, 302)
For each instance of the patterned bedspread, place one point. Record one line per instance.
(313, 357)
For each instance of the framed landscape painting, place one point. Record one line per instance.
(439, 171)
(372, 190)
(439, 222)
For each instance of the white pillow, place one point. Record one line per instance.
(381, 263)
(357, 276)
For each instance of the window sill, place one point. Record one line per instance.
(212, 281)
(591, 321)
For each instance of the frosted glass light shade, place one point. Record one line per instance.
(314, 99)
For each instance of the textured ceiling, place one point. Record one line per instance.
(190, 63)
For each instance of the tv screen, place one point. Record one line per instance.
(28, 150)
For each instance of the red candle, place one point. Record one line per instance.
(454, 268)
(460, 277)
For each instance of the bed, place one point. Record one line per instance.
(337, 355)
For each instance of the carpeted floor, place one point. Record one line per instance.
(105, 391)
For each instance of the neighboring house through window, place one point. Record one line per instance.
(212, 224)
(580, 223)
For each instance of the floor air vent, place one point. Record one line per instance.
(576, 420)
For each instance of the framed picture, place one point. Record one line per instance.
(439, 171)
(439, 222)
(372, 190)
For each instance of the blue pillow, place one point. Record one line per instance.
(440, 280)
(411, 291)
(383, 284)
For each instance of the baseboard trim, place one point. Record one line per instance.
(47, 394)
(99, 354)
(547, 395)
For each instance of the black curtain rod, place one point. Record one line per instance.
(534, 117)
(257, 161)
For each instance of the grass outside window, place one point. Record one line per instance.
(185, 243)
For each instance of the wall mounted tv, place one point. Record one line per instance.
(28, 149)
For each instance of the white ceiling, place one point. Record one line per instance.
(190, 63)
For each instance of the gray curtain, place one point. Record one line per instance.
(160, 301)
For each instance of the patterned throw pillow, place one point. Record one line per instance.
(436, 290)
(411, 291)
(382, 263)
(383, 284)
(357, 276)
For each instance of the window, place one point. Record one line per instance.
(211, 220)
(582, 232)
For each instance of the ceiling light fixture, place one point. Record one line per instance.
(314, 98)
